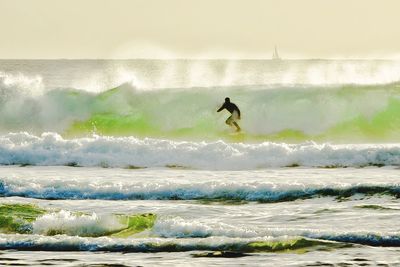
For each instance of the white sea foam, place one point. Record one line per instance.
(52, 149)
(66, 222)
(169, 227)
(181, 228)
(268, 185)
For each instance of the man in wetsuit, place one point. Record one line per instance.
(234, 110)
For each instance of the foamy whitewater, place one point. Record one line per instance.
(127, 163)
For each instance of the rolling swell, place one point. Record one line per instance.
(59, 243)
(256, 245)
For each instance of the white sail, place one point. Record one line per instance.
(275, 55)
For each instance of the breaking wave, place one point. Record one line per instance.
(30, 219)
(129, 152)
(289, 113)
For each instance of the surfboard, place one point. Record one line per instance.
(237, 136)
(237, 133)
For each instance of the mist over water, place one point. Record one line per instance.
(102, 75)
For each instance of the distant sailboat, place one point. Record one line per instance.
(275, 55)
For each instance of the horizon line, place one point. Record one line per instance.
(209, 59)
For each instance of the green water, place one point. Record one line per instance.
(19, 218)
(284, 114)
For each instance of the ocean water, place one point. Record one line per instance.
(127, 163)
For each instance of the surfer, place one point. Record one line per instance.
(234, 110)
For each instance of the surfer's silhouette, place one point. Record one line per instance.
(234, 110)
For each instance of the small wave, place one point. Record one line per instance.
(180, 228)
(32, 228)
(24, 218)
(375, 207)
(65, 243)
(369, 239)
(204, 192)
(68, 223)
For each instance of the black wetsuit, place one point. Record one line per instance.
(234, 110)
(230, 107)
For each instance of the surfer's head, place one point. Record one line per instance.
(227, 99)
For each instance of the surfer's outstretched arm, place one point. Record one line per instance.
(221, 108)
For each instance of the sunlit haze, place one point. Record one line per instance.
(199, 29)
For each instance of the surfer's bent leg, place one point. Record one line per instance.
(237, 126)
(229, 120)
(235, 117)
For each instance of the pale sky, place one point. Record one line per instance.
(199, 28)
